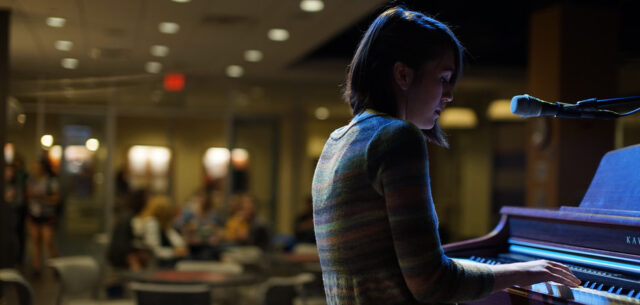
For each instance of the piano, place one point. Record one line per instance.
(599, 240)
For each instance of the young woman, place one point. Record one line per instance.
(43, 195)
(374, 217)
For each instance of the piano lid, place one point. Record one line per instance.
(616, 184)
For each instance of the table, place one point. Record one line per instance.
(212, 279)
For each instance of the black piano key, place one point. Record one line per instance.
(599, 287)
(611, 289)
(637, 296)
(619, 291)
(586, 284)
(593, 285)
(631, 293)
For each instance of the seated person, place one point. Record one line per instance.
(201, 226)
(244, 227)
(304, 224)
(122, 252)
(153, 227)
(199, 221)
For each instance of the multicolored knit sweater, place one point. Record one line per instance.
(375, 222)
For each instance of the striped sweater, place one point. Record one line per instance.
(375, 223)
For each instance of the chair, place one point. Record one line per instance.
(245, 255)
(305, 248)
(80, 279)
(281, 290)
(161, 294)
(11, 277)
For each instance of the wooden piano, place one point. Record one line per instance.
(599, 240)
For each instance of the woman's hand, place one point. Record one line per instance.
(528, 273)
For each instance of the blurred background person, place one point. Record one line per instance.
(201, 225)
(124, 252)
(304, 224)
(245, 227)
(43, 195)
(14, 195)
(164, 242)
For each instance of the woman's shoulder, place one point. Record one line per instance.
(390, 129)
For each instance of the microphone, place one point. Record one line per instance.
(527, 106)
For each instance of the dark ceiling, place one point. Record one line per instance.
(495, 33)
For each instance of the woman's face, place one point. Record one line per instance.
(429, 91)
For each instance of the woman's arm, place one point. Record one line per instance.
(398, 167)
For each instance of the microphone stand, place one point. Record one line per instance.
(609, 102)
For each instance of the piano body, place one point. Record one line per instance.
(599, 240)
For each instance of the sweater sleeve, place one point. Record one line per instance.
(397, 165)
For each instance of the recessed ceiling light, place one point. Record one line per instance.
(92, 144)
(235, 71)
(311, 5)
(181, 1)
(46, 140)
(168, 27)
(322, 113)
(69, 63)
(253, 55)
(153, 67)
(159, 50)
(56, 22)
(278, 34)
(64, 45)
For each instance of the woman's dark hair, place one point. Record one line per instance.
(397, 35)
(138, 201)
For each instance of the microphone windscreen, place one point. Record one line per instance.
(525, 106)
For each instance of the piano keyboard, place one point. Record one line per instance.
(598, 286)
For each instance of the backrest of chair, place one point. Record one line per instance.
(211, 266)
(77, 274)
(161, 294)
(11, 277)
(305, 248)
(244, 254)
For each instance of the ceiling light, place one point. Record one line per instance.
(181, 1)
(322, 113)
(159, 50)
(235, 71)
(64, 45)
(458, 118)
(168, 27)
(253, 55)
(500, 110)
(46, 140)
(56, 22)
(92, 144)
(153, 67)
(22, 118)
(278, 34)
(69, 63)
(311, 5)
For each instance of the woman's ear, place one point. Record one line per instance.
(402, 75)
